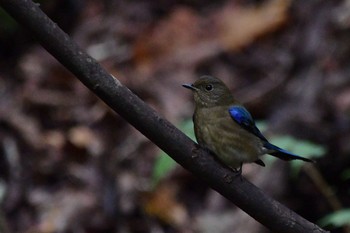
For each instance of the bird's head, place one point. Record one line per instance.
(210, 92)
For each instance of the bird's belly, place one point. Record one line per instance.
(232, 146)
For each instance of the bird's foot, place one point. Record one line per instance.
(238, 171)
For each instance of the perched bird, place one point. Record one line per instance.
(225, 127)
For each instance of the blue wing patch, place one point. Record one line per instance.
(242, 117)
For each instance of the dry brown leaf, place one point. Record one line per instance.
(186, 37)
(81, 136)
(162, 204)
(241, 26)
(178, 31)
(60, 211)
(84, 137)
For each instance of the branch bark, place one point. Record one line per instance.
(245, 195)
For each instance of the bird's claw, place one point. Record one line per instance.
(238, 171)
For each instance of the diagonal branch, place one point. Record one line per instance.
(245, 195)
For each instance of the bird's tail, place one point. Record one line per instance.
(283, 154)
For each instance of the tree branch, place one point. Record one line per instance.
(245, 195)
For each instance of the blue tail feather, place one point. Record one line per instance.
(283, 154)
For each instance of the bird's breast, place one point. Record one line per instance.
(215, 130)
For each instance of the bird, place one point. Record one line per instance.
(225, 127)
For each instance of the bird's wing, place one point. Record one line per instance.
(242, 117)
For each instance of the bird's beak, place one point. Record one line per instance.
(189, 86)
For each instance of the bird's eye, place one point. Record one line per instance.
(209, 87)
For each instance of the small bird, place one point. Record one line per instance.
(226, 128)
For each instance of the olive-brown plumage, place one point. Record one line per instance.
(226, 128)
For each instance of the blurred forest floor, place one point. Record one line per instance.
(69, 164)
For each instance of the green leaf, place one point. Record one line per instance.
(338, 219)
(187, 128)
(300, 147)
(164, 164)
(346, 174)
(162, 167)
(262, 125)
